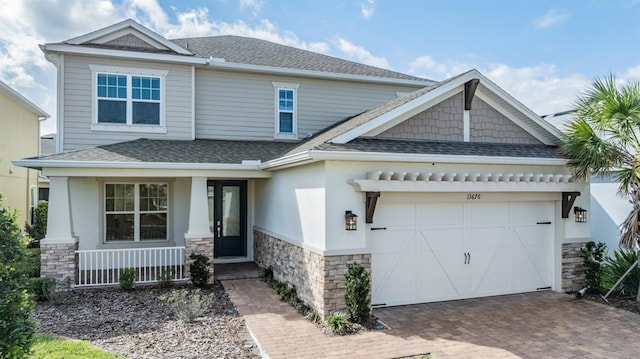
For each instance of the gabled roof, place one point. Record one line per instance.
(251, 51)
(383, 117)
(133, 28)
(7, 90)
(235, 53)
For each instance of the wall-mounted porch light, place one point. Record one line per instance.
(350, 221)
(580, 214)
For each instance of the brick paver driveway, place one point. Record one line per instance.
(533, 325)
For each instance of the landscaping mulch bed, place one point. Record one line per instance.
(626, 303)
(137, 324)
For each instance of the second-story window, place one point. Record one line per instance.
(286, 112)
(128, 99)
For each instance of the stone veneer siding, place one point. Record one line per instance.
(319, 280)
(199, 246)
(59, 261)
(573, 277)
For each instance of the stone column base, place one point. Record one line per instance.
(573, 278)
(202, 246)
(59, 260)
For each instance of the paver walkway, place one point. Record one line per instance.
(533, 325)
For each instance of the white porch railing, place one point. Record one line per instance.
(103, 266)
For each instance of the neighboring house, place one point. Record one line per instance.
(47, 147)
(608, 208)
(19, 138)
(245, 150)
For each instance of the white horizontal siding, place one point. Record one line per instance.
(231, 105)
(78, 103)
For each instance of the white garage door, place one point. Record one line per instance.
(442, 251)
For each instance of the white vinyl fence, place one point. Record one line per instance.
(103, 266)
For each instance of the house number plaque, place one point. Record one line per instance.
(473, 196)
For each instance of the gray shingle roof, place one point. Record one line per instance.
(251, 51)
(198, 151)
(444, 148)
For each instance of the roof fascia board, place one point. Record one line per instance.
(123, 25)
(153, 173)
(38, 163)
(316, 155)
(315, 74)
(23, 100)
(520, 107)
(540, 137)
(92, 51)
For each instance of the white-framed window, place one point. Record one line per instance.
(286, 121)
(136, 212)
(128, 99)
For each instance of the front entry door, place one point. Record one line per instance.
(228, 217)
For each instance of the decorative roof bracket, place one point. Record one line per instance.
(371, 200)
(568, 198)
(469, 91)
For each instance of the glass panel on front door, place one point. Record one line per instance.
(227, 217)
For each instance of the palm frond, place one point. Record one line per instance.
(630, 228)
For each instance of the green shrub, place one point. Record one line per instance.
(165, 279)
(312, 316)
(266, 274)
(616, 266)
(592, 260)
(38, 230)
(357, 293)
(29, 266)
(127, 278)
(187, 306)
(199, 270)
(338, 323)
(41, 288)
(61, 291)
(16, 325)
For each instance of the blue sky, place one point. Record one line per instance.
(542, 52)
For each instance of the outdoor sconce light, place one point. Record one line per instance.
(580, 214)
(350, 221)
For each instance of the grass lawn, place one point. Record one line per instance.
(48, 346)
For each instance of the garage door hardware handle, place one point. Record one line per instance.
(379, 305)
(465, 257)
(549, 222)
(469, 261)
(543, 288)
(378, 228)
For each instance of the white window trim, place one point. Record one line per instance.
(136, 211)
(285, 135)
(129, 71)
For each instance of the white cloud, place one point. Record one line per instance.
(367, 8)
(360, 54)
(255, 6)
(632, 73)
(552, 17)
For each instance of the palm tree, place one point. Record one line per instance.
(603, 139)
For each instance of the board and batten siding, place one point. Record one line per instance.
(237, 106)
(78, 102)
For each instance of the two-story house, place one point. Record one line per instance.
(19, 137)
(246, 150)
